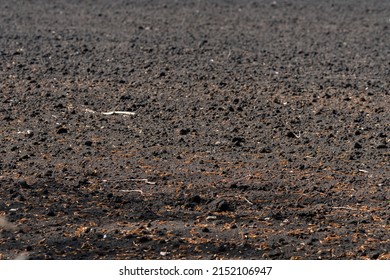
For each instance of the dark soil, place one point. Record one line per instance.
(261, 129)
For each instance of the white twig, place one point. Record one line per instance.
(146, 181)
(346, 208)
(297, 135)
(140, 191)
(143, 180)
(119, 113)
(211, 218)
(89, 111)
(244, 198)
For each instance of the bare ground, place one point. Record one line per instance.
(261, 129)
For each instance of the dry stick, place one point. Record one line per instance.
(238, 196)
(119, 113)
(144, 180)
(90, 111)
(244, 198)
(346, 208)
(132, 180)
(140, 191)
(114, 111)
